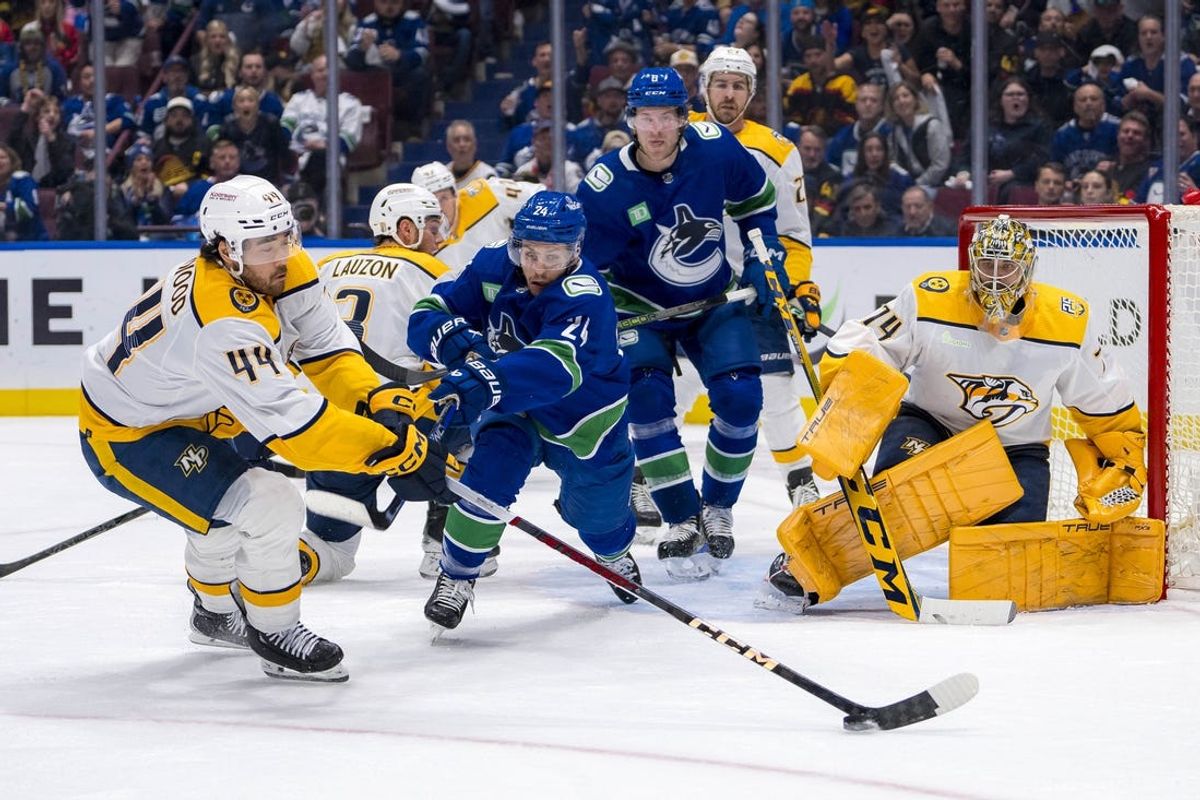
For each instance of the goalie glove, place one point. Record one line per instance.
(416, 465)
(806, 308)
(1112, 474)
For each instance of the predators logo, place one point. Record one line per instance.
(1001, 399)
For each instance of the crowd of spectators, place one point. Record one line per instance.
(876, 95)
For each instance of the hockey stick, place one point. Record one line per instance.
(335, 506)
(13, 566)
(687, 308)
(868, 518)
(395, 372)
(934, 701)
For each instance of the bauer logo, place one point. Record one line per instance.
(1002, 399)
(193, 459)
(638, 214)
(243, 300)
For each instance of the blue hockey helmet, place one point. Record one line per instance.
(549, 217)
(657, 86)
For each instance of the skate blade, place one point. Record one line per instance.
(430, 568)
(335, 674)
(696, 567)
(436, 631)
(208, 641)
(489, 567)
(769, 598)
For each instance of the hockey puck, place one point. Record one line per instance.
(859, 722)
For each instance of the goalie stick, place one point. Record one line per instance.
(868, 518)
(13, 566)
(939, 699)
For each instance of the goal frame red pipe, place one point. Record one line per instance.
(1158, 220)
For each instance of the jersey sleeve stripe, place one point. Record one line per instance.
(765, 198)
(564, 353)
(431, 303)
(295, 289)
(323, 356)
(1122, 410)
(320, 413)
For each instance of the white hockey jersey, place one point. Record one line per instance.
(376, 289)
(961, 375)
(485, 213)
(480, 170)
(202, 350)
(305, 117)
(780, 159)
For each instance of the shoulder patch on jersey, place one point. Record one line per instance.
(243, 299)
(577, 285)
(934, 283)
(1072, 305)
(599, 177)
(707, 130)
(490, 290)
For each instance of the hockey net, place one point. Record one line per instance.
(1138, 267)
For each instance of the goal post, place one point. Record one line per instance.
(1138, 268)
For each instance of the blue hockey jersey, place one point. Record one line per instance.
(658, 237)
(559, 361)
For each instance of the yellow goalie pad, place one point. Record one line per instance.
(849, 419)
(1044, 565)
(960, 481)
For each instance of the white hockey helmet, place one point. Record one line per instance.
(433, 176)
(244, 208)
(727, 59)
(402, 201)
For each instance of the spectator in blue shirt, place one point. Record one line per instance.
(607, 115)
(516, 105)
(253, 23)
(251, 72)
(1143, 75)
(397, 40)
(690, 22)
(1091, 137)
(80, 117)
(20, 218)
(122, 31)
(175, 84)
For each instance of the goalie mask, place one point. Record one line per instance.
(403, 201)
(253, 218)
(1002, 257)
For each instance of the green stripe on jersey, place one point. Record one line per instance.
(564, 352)
(431, 302)
(744, 208)
(584, 439)
(725, 467)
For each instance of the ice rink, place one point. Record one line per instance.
(551, 688)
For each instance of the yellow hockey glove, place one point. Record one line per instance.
(1112, 474)
(806, 308)
(391, 402)
(416, 465)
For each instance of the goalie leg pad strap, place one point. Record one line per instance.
(966, 477)
(862, 399)
(1045, 565)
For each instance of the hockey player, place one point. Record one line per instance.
(654, 210)
(375, 290)
(199, 358)
(475, 216)
(990, 344)
(727, 83)
(555, 394)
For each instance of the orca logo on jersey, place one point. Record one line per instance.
(1001, 399)
(194, 458)
(504, 339)
(243, 299)
(686, 254)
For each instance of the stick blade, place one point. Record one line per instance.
(935, 610)
(328, 504)
(935, 701)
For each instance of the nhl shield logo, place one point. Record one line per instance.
(1001, 399)
(194, 458)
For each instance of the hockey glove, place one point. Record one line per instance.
(417, 466)
(393, 403)
(454, 342)
(1112, 474)
(475, 388)
(754, 273)
(806, 308)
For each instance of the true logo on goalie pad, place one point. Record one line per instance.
(193, 459)
(1001, 399)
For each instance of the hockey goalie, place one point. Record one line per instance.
(954, 381)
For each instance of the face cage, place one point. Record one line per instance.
(993, 292)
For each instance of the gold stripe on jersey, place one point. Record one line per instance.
(210, 589)
(217, 295)
(272, 599)
(343, 376)
(148, 493)
(1055, 316)
(93, 422)
(474, 204)
(333, 440)
(371, 263)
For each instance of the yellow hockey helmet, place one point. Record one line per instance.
(1002, 257)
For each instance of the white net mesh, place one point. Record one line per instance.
(1105, 257)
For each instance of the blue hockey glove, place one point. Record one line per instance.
(754, 274)
(475, 387)
(455, 340)
(806, 308)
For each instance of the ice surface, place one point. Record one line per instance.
(551, 687)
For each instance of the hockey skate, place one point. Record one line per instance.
(780, 591)
(644, 510)
(683, 551)
(717, 524)
(802, 489)
(448, 603)
(215, 629)
(294, 653)
(431, 546)
(626, 567)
